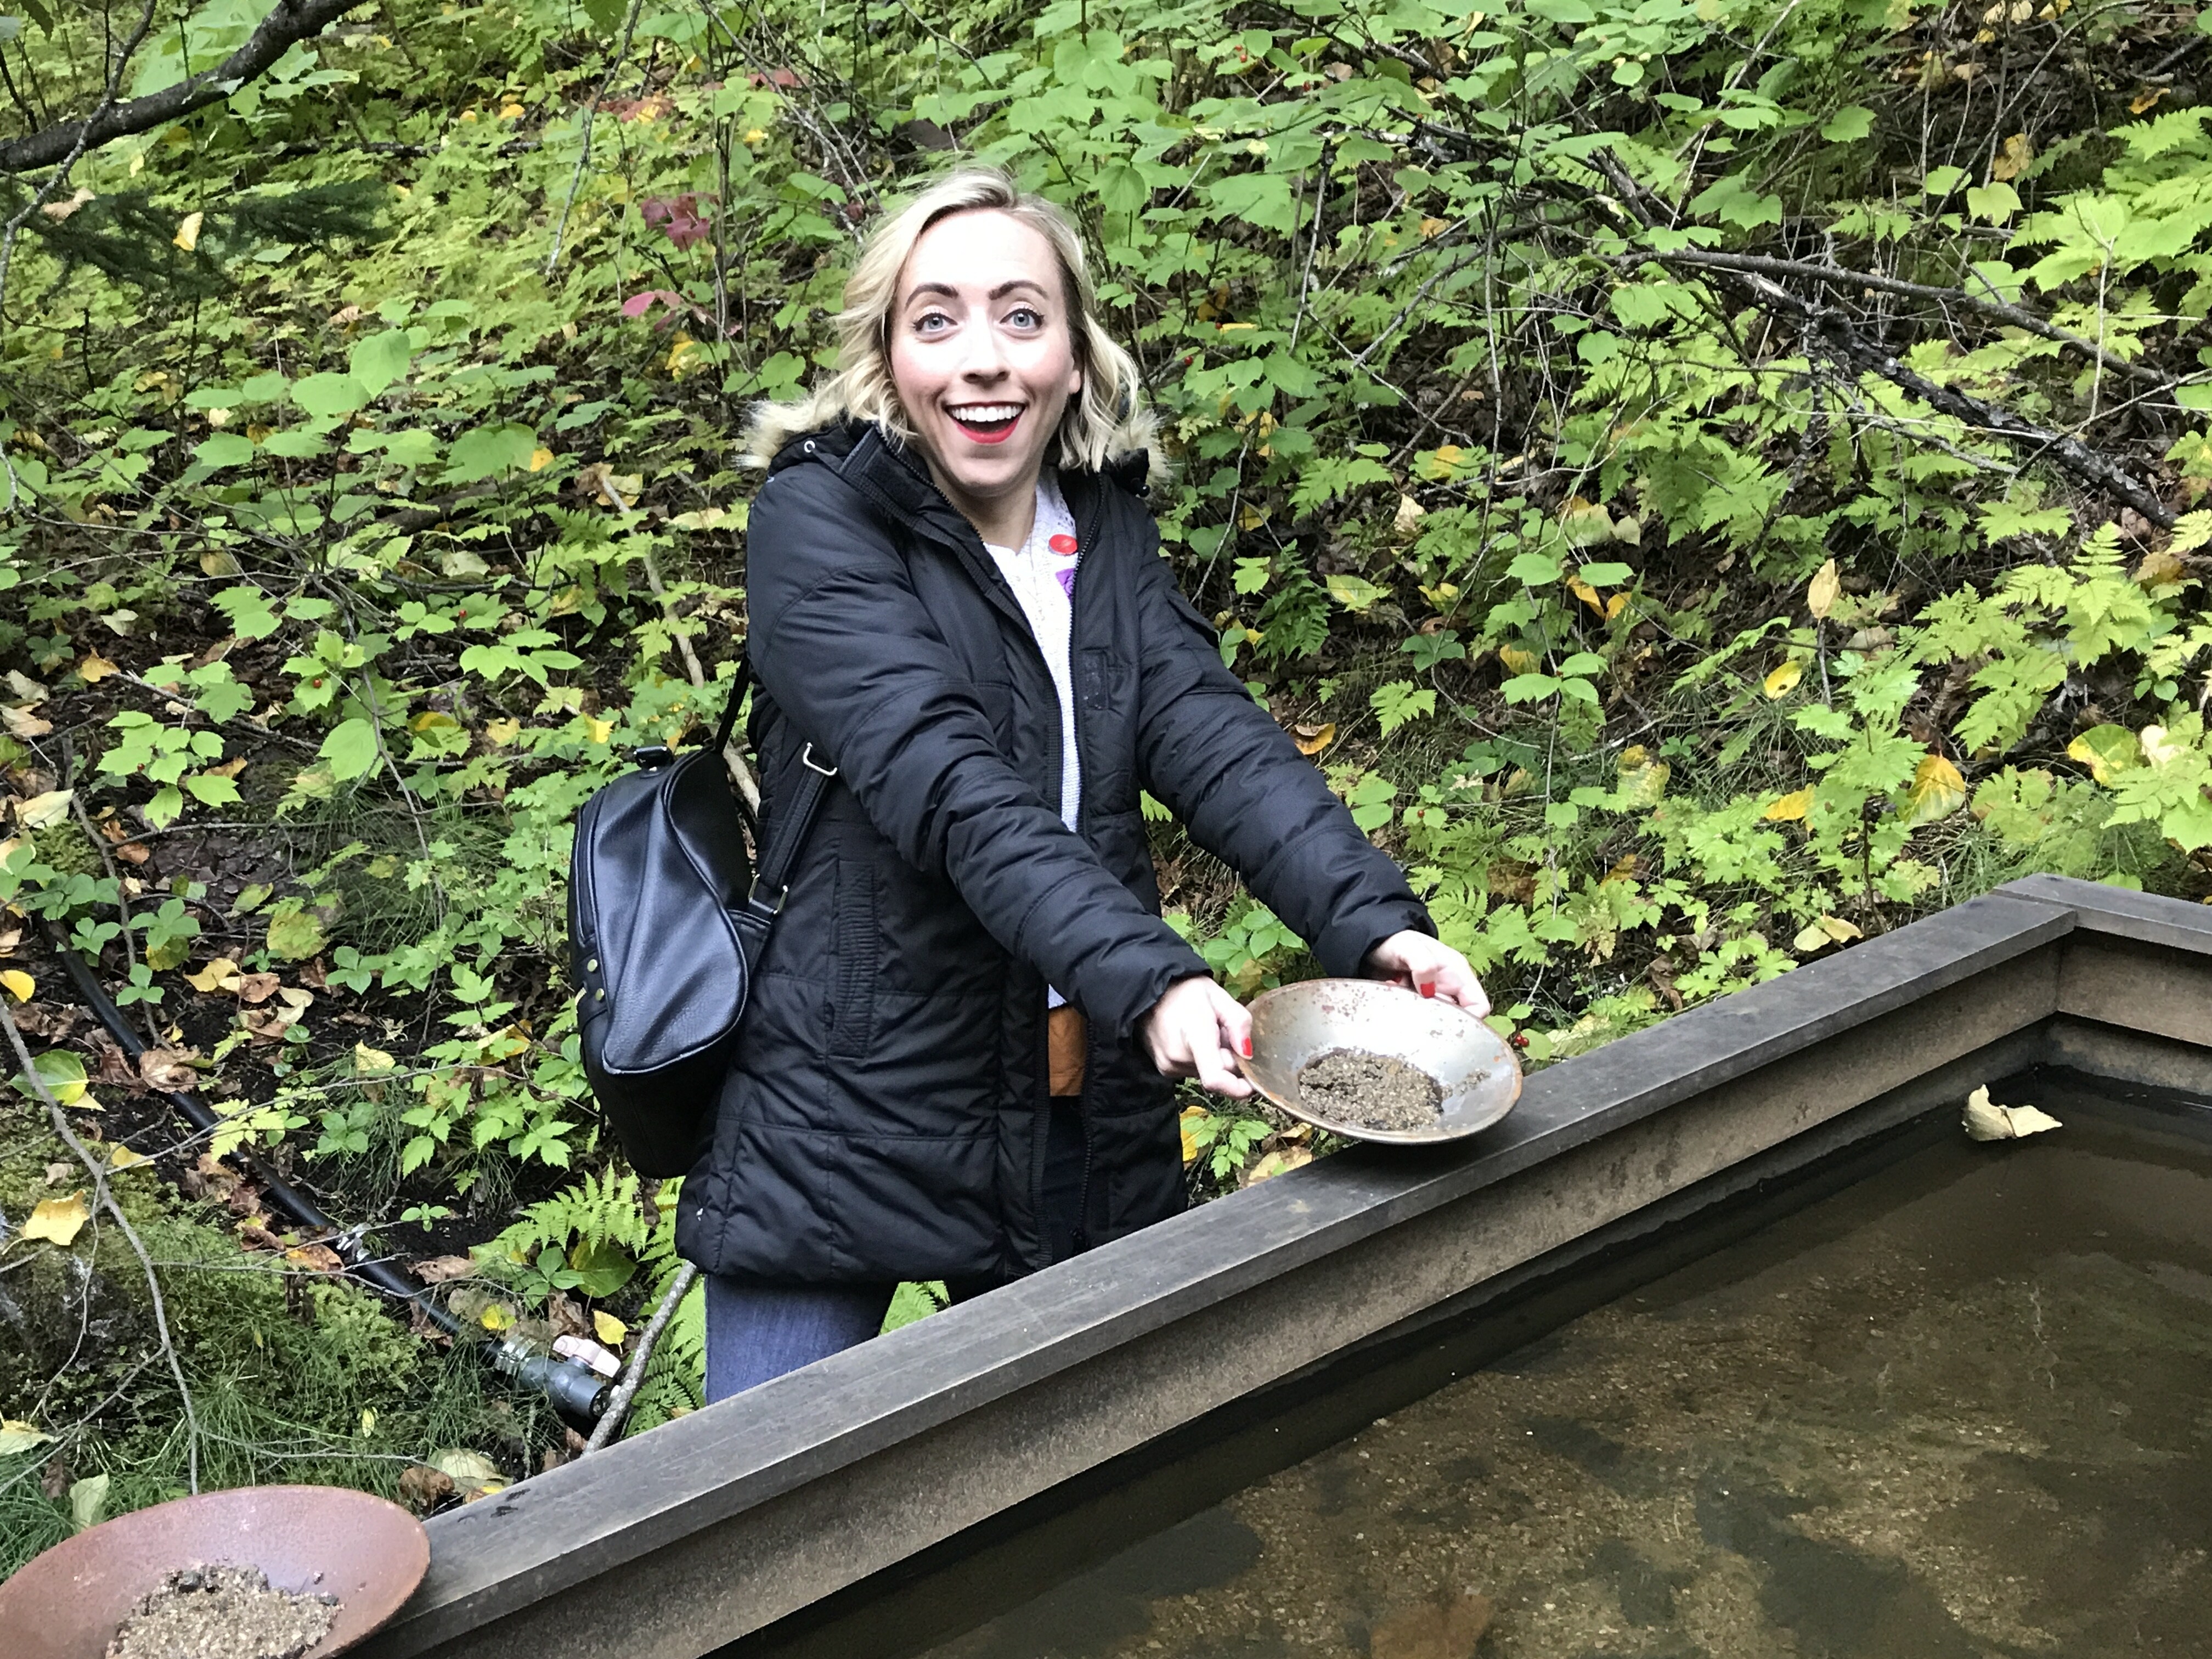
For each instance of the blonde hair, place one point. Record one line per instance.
(1106, 419)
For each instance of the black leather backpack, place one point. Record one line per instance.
(666, 920)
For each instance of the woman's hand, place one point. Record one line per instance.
(1429, 966)
(1197, 1029)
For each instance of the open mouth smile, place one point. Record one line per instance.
(987, 424)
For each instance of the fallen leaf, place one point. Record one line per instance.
(58, 211)
(95, 668)
(613, 1331)
(20, 985)
(255, 989)
(87, 1501)
(57, 1219)
(2160, 568)
(23, 723)
(2012, 160)
(366, 1059)
(1281, 1162)
(44, 812)
(221, 974)
(1447, 1627)
(316, 1258)
(1825, 931)
(20, 1437)
(1936, 791)
(129, 851)
(1985, 1121)
(1820, 595)
(467, 1469)
(1791, 808)
(62, 1072)
(58, 1173)
(423, 1488)
(124, 1157)
(2158, 749)
(188, 232)
(1782, 680)
(1408, 520)
(439, 1269)
(1312, 739)
(169, 1068)
(1588, 595)
(2107, 751)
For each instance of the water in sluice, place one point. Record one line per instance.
(1959, 1410)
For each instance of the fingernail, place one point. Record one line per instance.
(1247, 1046)
(1428, 990)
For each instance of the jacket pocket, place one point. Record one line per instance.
(859, 950)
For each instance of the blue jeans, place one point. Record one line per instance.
(758, 1332)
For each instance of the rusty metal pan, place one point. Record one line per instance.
(321, 1540)
(1480, 1075)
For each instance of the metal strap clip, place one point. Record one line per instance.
(806, 759)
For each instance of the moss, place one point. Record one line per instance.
(295, 1377)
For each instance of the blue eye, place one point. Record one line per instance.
(1023, 317)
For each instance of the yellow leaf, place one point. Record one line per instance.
(221, 974)
(601, 730)
(23, 723)
(124, 1158)
(1313, 740)
(1791, 808)
(510, 111)
(755, 136)
(2160, 568)
(611, 1330)
(1825, 932)
(1937, 790)
(366, 1059)
(1409, 516)
(1251, 517)
(502, 732)
(44, 812)
(21, 986)
(682, 355)
(1231, 328)
(2013, 158)
(2107, 751)
(540, 459)
(1820, 596)
(58, 211)
(1277, 1163)
(1588, 595)
(1615, 605)
(1191, 1115)
(16, 1436)
(496, 1317)
(57, 1219)
(1784, 680)
(1520, 661)
(1986, 1121)
(188, 233)
(95, 668)
(2146, 99)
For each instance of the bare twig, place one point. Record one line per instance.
(591, 114)
(1837, 276)
(618, 1403)
(104, 1196)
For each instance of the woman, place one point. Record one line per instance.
(954, 1064)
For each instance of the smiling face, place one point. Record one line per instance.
(982, 354)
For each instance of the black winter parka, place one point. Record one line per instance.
(885, 1117)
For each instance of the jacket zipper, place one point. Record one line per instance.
(1083, 532)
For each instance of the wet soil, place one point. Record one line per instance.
(1367, 1090)
(222, 1613)
(1960, 1411)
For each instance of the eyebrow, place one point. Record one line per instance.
(952, 292)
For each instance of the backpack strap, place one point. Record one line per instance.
(787, 830)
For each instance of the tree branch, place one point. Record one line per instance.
(293, 21)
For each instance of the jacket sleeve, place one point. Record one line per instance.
(842, 642)
(1222, 765)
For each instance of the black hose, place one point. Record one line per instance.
(576, 1390)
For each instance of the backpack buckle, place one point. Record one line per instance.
(806, 759)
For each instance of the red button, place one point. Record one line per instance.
(1062, 543)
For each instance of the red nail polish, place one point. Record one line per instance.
(1248, 1047)
(1428, 990)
